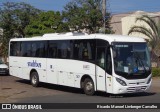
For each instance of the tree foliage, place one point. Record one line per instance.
(46, 22)
(14, 17)
(85, 14)
(153, 32)
(21, 20)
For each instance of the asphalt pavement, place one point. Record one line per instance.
(15, 90)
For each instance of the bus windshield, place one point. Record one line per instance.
(131, 58)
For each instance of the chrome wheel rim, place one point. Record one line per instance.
(34, 79)
(89, 86)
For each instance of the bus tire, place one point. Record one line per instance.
(34, 79)
(88, 87)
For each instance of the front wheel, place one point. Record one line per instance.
(88, 87)
(34, 79)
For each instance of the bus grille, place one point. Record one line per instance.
(2, 69)
(136, 83)
(136, 89)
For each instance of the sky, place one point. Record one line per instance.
(113, 6)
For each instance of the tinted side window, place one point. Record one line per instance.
(64, 49)
(101, 57)
(52, 49)
(26, 49)
(71, 49)
(101, 43)
(84, 49)
(34, 46)
(15, 49)
(38, 49)
(76, 49)
(108, 62)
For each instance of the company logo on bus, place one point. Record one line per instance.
(34, 64)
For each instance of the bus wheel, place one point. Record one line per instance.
(34, 79)
(88, 87)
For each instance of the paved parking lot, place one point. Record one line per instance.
(13, 89)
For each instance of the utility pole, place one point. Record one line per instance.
(104, 14)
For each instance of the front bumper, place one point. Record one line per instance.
(131, 89)
(4, 71)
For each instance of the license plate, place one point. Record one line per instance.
(138, 89)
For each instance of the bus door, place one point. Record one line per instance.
(100, 69)
(103, 69)
(108, 69)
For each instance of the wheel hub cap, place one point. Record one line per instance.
(34, 80)
(89, 86)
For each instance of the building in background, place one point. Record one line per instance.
(121, 23)
(116, 22)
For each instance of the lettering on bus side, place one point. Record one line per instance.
(86, 67)
(34, 64)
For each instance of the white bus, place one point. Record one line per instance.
(95, 62)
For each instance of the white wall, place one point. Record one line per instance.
(129, 21)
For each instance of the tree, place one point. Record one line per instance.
(46, 22)
(23, 14)
(153, 32)
(14, 17)
(0, 45)
(85, 14)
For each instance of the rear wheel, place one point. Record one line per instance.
(34, 79)
(88, 87)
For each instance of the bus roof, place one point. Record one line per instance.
(67, 36)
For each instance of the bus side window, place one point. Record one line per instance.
(29, 50)
(52, 51)
(71, 49)
(33, 49)
(26, 49)
(23, 49)
(64, 49)
(101, 57)
(80, 53)
(108, 62)
(12, 48)
(76, 49)
(15, 49)
(40, 50)
(86, 50)
(85, 53)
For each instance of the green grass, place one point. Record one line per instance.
(156, 72)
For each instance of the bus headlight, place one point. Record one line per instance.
(149, 80)
(122, 82)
